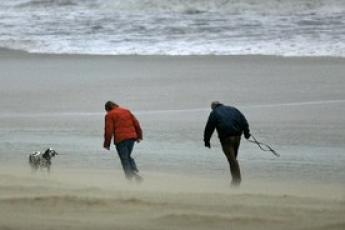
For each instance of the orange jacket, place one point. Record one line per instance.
(121, 123)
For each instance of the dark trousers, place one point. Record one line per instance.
(230, 147)
(124, 150)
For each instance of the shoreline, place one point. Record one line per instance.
(6, 52)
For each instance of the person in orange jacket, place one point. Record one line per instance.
(121, 124)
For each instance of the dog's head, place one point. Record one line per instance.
(49, 153)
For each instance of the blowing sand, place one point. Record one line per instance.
(296, 104)
(102, 200)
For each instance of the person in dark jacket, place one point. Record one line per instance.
(230, 123)
(121, 124)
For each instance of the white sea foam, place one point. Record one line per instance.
(175, 27)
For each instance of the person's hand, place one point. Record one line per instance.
(247, 135)
(138, 140)
(207, 145)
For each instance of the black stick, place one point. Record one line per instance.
(263, 146)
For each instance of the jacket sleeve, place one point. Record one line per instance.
(246, 130)
(137, 127)
(108, 131)
(210, 127)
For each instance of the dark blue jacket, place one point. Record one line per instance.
(228, 121)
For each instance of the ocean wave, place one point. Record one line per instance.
(174, 27)
(49, 3)
(268, 48)
(195, 6)
(228, 6)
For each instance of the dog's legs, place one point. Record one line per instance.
(33, 169)
(33, 166)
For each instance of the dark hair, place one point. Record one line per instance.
(109, 105)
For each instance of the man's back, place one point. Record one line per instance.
(228, 121)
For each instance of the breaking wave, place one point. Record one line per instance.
(175, 27)
(195, 6)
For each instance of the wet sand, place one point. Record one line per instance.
(295, 104)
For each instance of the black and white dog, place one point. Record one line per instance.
(42, 159)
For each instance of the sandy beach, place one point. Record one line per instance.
(102, 200)
(294, 104)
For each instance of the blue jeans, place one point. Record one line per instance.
(124, 149)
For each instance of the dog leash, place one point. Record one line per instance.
(263, 146)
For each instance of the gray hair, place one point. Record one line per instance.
(214, 104)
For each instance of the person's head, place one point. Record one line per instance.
(109, 105)
(214, 104)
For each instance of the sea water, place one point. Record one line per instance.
(175, 27)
